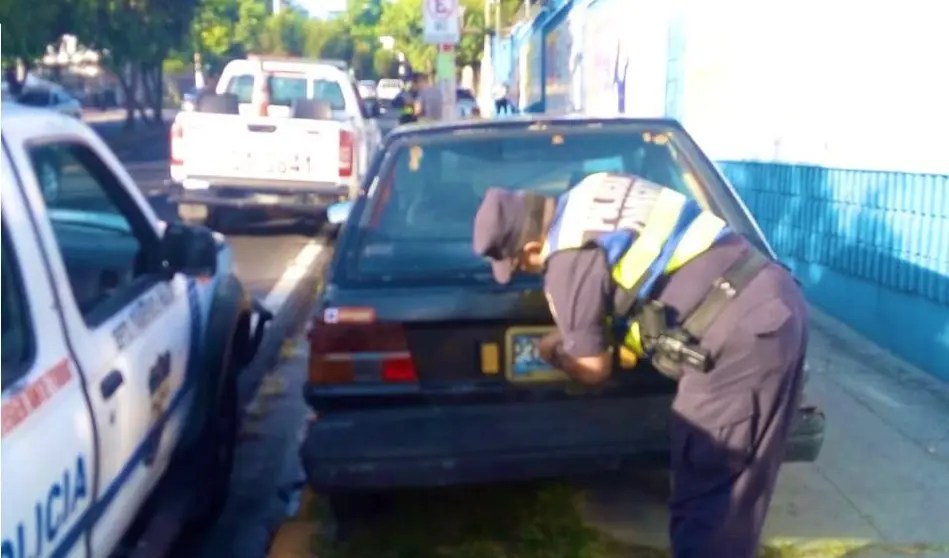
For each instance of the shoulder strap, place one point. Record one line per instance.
(723, 290)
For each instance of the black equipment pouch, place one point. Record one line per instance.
(675, 348)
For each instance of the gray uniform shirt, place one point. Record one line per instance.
(432, 103)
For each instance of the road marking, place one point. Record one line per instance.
(296, 271)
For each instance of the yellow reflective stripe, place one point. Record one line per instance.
(633, 340)
(697, 239)
(647, 247)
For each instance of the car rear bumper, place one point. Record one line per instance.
(436, 446)
(306, 198)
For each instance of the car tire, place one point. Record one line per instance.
(217, 449)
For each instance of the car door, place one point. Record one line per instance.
(48, 437)
(127, 323)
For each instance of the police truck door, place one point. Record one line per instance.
(48, 457)
(127, 324)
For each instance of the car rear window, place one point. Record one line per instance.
(420, 217)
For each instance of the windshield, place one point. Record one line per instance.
(420, 215)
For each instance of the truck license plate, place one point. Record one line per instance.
(273, 163)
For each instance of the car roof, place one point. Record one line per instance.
(527, 121)
(21, 123)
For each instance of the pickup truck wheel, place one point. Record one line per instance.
(217, 452)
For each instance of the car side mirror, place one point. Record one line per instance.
(188, 249)
(338, 213)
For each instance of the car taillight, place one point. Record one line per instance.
(175, 149)
(346, 153)
(369, 352)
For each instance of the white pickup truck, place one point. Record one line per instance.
(122, 340)
(312, 148)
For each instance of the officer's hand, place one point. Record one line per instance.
(547, 347)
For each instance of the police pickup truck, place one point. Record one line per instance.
(122, 338)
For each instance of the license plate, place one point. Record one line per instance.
(523, 356)
(271, 163)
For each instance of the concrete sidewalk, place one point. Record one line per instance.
(881, 483)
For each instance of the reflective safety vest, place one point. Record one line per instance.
(407, 110)
(646, 231)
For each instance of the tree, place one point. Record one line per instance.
(28, 28)
(385, 64)
(251, 24)
(284, 34)
(136, 36)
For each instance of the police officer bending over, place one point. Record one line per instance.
(626, 259)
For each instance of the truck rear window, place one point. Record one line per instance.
(420, 218)
(284, 89)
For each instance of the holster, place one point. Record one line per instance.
(674, 344)
(672, 351)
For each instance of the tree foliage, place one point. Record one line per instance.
(136, 36)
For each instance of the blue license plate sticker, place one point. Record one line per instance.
(526, 355)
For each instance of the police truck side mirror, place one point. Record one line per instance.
(188, 249)
(338, 213)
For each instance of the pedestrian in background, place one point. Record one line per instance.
(430, 103)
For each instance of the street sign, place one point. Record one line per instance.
(441, 22)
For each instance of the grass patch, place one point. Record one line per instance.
(539, 520)
(502, 521)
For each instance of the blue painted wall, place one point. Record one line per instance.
(870, 247)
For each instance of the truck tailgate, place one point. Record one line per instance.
(222, 146)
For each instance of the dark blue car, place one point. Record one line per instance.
(421, 367)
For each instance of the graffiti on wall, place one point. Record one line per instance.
(575, 63)
(557, 50)
(533, 92)
(606, 59)
(599, 67)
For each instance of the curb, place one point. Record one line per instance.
(287, 320)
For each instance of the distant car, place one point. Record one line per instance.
(388, 89)
(55, 98)
(422, 369)
(367, 89)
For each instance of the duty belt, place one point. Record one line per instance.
(676, 347)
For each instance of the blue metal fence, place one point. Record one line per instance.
(871, 248)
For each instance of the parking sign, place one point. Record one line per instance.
(441, 22)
